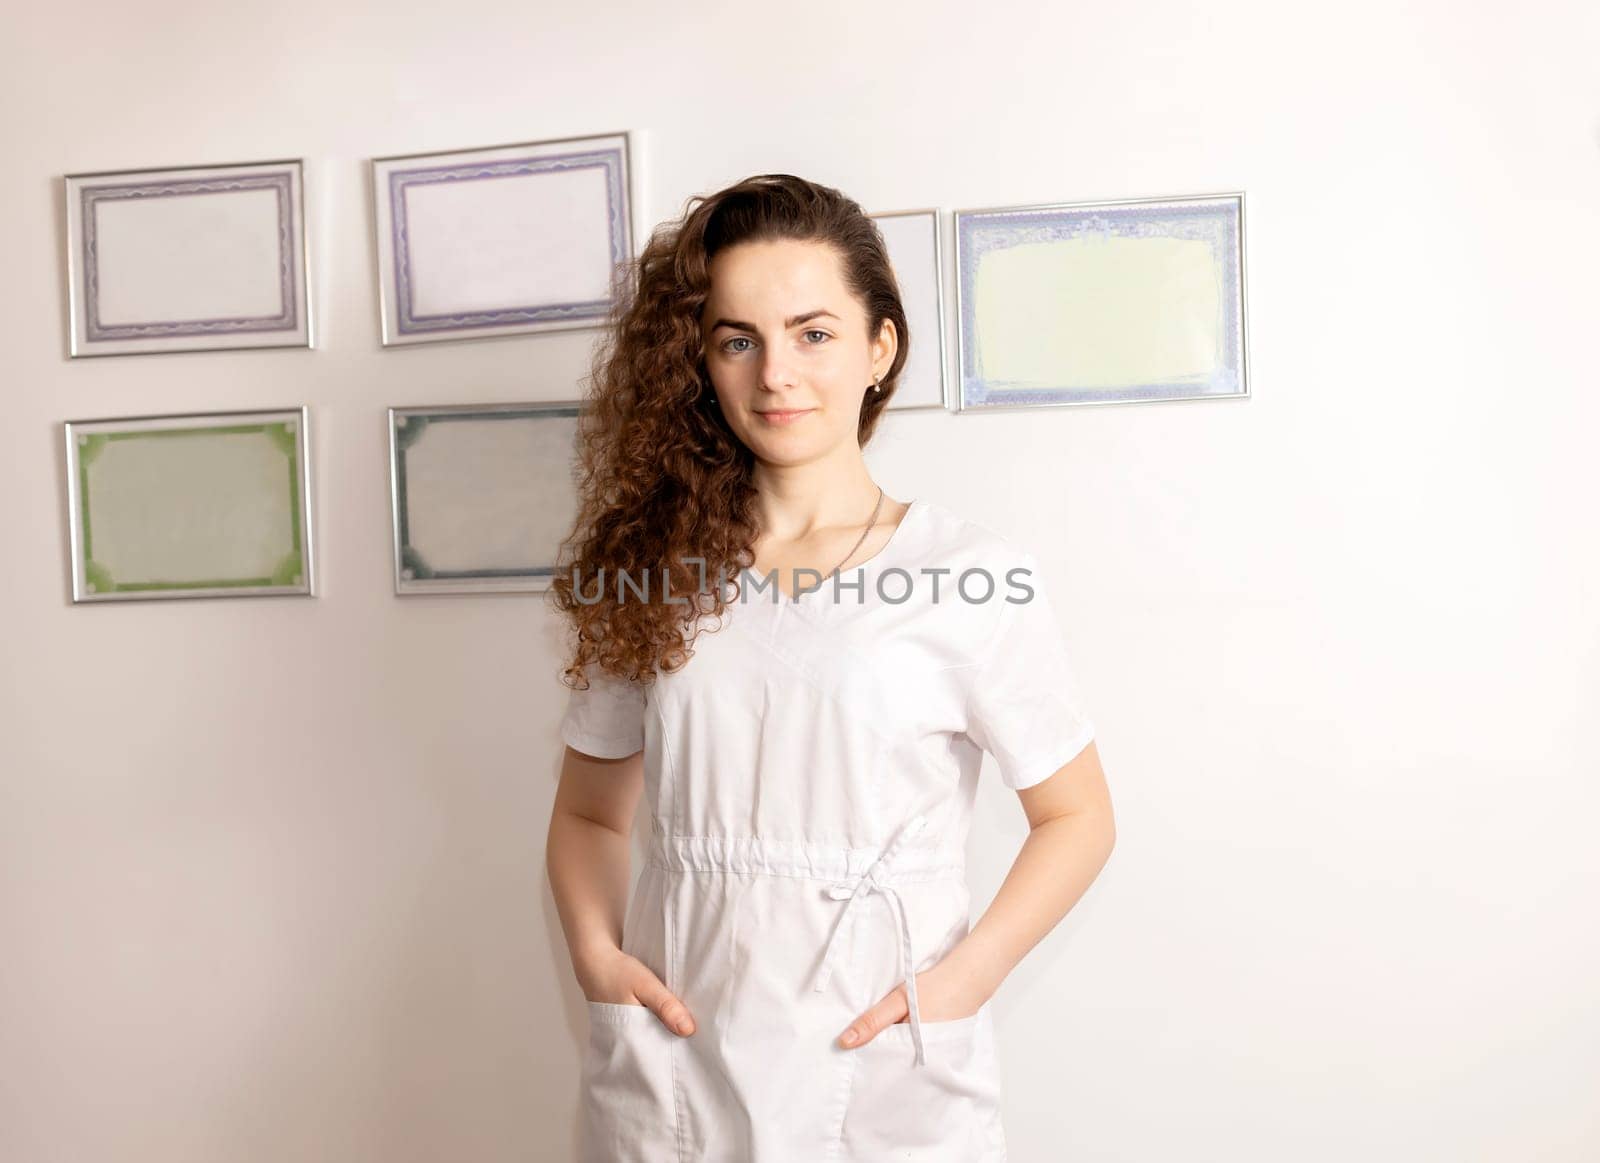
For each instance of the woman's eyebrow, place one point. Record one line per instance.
(792, 321)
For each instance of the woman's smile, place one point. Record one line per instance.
(778, 418)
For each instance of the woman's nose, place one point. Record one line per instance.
(777, 370)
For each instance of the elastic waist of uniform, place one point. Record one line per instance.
(763, 855)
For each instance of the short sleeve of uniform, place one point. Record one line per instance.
(1024, 705)
(607, 720)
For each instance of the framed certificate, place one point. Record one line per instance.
(191, 259)
(1101, 302)
(913, 239)
(214, 505)
(483, 495)
(502, 240)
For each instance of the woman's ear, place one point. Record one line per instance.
(884, 348)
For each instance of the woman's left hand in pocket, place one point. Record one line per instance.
(941, 997)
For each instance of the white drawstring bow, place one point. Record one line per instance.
(876, 878)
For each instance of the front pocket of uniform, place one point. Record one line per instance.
(625, 1093)
(947, 1109)
(951, 1029)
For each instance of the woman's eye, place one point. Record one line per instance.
(728, 346)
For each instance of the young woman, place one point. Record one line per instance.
(794, 977)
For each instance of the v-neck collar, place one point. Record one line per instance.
(808, 603)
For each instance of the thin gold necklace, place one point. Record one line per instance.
(871, 521)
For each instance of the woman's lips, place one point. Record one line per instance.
(786, 416)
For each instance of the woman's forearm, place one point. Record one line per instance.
(588, 865)
(1055, 866)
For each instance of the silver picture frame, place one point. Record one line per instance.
(502, 240)
(481, 495)
(915, 239)
(188, 258)
(195, 505)
(1031, 281)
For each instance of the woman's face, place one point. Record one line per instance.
(786, 348)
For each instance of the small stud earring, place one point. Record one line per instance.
(875, 385)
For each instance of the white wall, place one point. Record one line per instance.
(271, 871)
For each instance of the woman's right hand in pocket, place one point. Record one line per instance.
(622, 979)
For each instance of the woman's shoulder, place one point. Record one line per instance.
(981, 575)
(969, 542)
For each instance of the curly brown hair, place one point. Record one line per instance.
(663, 481)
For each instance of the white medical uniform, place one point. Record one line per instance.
(810, 776)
